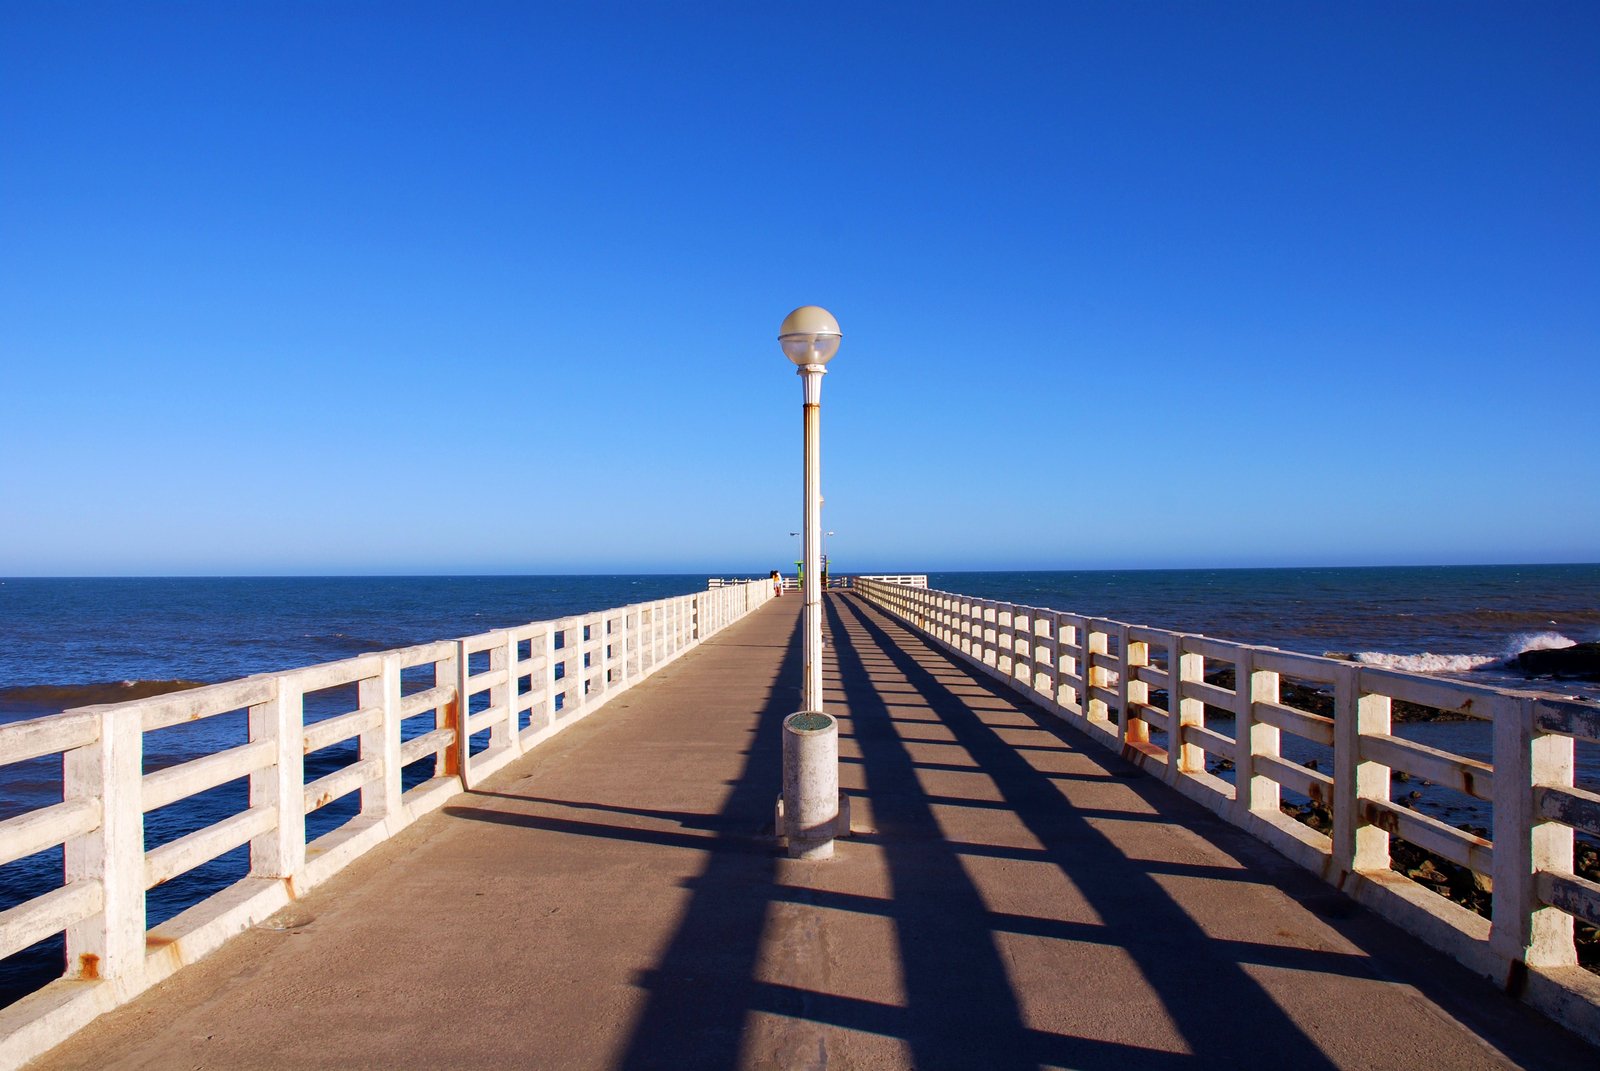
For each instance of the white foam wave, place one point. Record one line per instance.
(1428, 662)
(1537, 641)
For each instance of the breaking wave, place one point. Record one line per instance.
(1428, 662)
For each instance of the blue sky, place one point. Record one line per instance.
(373, 288)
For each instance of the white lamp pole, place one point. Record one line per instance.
(810, 338)
(811, 814)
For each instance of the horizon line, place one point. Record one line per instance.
(761, 574)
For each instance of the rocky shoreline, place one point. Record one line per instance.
(1579, 662)
(1454, 882)
(1466, 887)
(1315, 700)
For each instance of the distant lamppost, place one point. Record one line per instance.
(810, 805)
(824, 551)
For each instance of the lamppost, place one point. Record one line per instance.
(810, 338)
(824, 551)
(810, 805)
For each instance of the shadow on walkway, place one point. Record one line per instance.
(986, 974)
(1212, 1001)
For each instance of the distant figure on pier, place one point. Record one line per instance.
(777, 583)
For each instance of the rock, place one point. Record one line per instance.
(1429, 873)
(1580, 661)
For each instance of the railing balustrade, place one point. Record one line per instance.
(1144, 691)
(491, 698)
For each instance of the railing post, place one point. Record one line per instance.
(449, 714)
(463, 744)
(1525, 930)
(1094, 676)
(1253, 791)
(577, 637)
(587, 659)
(991, 642)
(1021, 634)
(1002, 639)
(1060, 661)
(620, 653)
(109, 944)
(550, 693)
(1071, 638)
(1184, 666)
(632, 659)
(1135, 654)
(380, 798)
(1358, 844)
(280, 852)
(504, 655)
(1044, 655)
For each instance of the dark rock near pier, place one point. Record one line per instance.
(1318, 699)
(1581, 661)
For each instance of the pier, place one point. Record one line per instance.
(588, 876)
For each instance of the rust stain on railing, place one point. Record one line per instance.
(452, 720)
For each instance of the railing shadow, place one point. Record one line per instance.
(960, 1008)
(1200, 979)
(1212, 1001)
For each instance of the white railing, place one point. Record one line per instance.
(910, 580)
(526, 683)
(792, 583)
(1119, 683)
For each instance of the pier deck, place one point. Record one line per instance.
(1013, 898)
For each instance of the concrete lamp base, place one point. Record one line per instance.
(812, 811)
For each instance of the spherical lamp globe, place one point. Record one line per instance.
(809, 335)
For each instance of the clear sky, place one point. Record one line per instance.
(467, 287)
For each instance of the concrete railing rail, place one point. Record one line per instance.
(527, 683)
(910, 580)
(1103, 677)
(791, 582)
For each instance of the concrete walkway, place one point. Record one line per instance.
(1017, 898)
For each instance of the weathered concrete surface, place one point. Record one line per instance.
(1016, 900)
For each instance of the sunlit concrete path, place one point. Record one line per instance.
(1014, 898)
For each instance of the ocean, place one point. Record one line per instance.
(71, 642)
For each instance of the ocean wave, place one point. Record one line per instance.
(1537, 641)
(1429, 662)
(83, 695)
